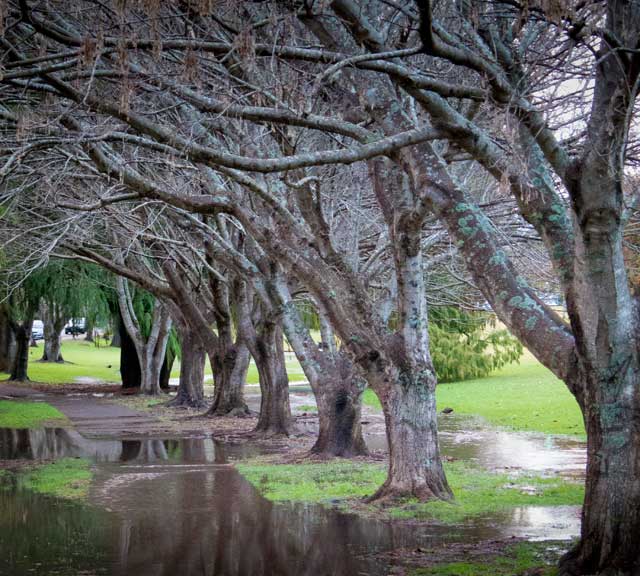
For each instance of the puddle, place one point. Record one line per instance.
(177, 506)
(464, 439)
(174, 518)
(56, 443)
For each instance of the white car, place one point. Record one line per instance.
(37, 330)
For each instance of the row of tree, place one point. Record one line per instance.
(228, 159)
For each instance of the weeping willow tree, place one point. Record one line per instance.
(67, 289)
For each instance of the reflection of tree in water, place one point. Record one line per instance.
(213, 522)
(202, 519)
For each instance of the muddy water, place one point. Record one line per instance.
(177, 507)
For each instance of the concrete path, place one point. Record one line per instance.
(92, 417)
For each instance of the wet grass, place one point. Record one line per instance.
(84, 359)
(481, 493)
(523, 396)
(321, 482)
(17, 414)
(539, 558)
(67, 478)
(478, 492)
(308, 408)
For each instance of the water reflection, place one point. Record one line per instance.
(175, 506)
(464, 439)
(55, 443)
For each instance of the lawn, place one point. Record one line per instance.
(16, 414)
(85, 360)
(524, 396)
(478, 492)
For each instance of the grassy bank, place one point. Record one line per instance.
(16, 414)
(85, 360)
(478, 492)
(523, 396)
(67, 478)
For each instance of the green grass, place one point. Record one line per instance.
(84, 359)
(308, 408)
(478, 492)
(523, 396)
(17, 414)
(537, 558)
(320, 482)
(67, 478)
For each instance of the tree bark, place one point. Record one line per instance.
(191, 387)
(340, 432)
(410, 415)
(275, 411)
(150, 348)
(6, 337)
(22, 336)
(165, 371)
(89, 325)
(229, 394)
(53, 323)
(611, 510)
(333, 378)
(129, 363)
(263, 336)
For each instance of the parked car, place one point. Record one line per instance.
(37, 330)
(74, 330)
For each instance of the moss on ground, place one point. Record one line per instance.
(67, 478)
(19, 414)
(521, 397)
(478, 492)
(539, 558)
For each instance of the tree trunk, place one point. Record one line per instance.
(53, 323)
(611, 510)
(129, 363)
(52, 345)
(340, 432)
(89, 326)
(332, 376)
(229, 394)
(6, 337)
(165, 371)
(275, 411)
(22, 335)
(192, 362)
(116, 338)
(415, 468)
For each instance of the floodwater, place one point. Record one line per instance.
(178, 507)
